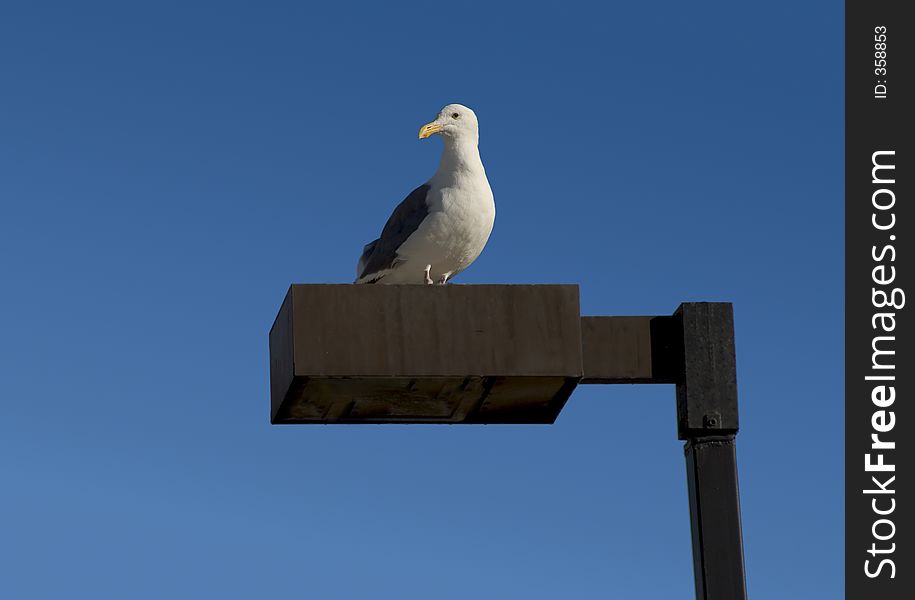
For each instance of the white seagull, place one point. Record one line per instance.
(442, 226)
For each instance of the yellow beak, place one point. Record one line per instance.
(429, 129)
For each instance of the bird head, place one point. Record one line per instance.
(455, 122)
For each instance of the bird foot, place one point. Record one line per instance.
(444, 279)
(428, 278)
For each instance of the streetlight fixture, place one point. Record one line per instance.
(476, 354)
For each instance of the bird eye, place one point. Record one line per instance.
(455, 115)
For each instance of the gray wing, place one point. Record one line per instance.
(380, 255)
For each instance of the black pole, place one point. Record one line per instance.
(707, 421)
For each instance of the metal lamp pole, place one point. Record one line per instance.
(514, 354)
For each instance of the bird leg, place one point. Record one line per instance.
(444, 279)
(428, 278)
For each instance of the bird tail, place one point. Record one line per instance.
(364, 259)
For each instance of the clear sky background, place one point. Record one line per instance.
(167, 169)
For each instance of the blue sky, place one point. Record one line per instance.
(168, 169)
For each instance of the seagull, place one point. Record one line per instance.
(443, 225)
